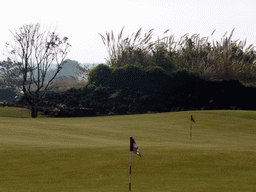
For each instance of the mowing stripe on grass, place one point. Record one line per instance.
(92, 154)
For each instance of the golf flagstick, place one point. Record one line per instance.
(133, 148)
(130, 176)
(192, 120)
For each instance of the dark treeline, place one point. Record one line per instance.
(143, 76)
(132, 89)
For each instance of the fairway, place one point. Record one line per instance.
(92, 154)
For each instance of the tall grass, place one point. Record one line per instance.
(116, 47)
(225, 59)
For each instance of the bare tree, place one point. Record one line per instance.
(36, 50)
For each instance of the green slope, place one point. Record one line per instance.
(92, 154)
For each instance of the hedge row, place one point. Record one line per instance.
(139, 78)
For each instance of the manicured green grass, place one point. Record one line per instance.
(92, 154)
(16, 112)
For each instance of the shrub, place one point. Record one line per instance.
(184, 76)
(183, 82)
(100, 76)
(157, 77)
(132, 76)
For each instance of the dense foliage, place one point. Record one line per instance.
(134, 76)
(100, 75)
(190, 94)
(143, 76)
(226, 59)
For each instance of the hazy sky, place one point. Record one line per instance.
(83, 20)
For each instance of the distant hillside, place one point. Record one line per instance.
(69, 69)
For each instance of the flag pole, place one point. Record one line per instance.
(191, 128)
(192, 120)
(130, 172)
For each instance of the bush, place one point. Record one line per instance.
(100, 76)
(184, 75)
(157, 77)
(132, 76)
(183, 82)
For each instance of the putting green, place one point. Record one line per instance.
(92, 154)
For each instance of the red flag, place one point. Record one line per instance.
(135, 148)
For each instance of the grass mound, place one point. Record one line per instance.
(92, 154)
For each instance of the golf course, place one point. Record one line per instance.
(91, 154)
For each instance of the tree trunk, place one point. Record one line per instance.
(34, 111)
